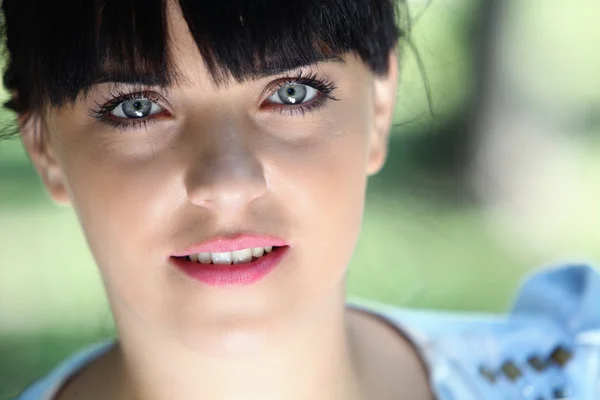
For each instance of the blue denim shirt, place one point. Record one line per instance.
(546, 347)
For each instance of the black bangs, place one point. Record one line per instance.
(246, 39)
(58, 49)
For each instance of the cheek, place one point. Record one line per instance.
(121, 197)
(322, 185)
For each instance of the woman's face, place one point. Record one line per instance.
(210, 162)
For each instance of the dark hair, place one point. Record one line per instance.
(58, 49)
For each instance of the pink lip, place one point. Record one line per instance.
(239, 242)
(236, 274)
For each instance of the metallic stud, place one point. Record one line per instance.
(511, 371)
(537, 363)
(561, 393)
(487, 374)
(560, 356)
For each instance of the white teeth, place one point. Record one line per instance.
(242, 256)
(204, 258)
(235, 257)
(221, 258)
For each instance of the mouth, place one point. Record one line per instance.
(238, 267)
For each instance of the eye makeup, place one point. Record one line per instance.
(105, 112)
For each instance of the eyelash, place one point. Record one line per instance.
(102, 111)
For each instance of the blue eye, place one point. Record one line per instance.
(136, 108)
(294, 94)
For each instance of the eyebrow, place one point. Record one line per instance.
(120, 76)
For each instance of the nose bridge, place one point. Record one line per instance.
(224, 168)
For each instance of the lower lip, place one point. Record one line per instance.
(232, 275)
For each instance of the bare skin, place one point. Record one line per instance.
(388, 367)
(220, 161)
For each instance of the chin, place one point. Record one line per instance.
(230, 340)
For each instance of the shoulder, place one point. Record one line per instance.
(46, 387)
(547, 346)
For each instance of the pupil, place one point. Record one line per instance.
(291, 91)
(137, 105)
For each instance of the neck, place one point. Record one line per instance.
(313, 360)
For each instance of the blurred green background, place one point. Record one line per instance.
(430, 238)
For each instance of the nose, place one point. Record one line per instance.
(225, 173)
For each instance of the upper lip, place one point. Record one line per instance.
(232, 243)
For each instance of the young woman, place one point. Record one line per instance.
(216, 155)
